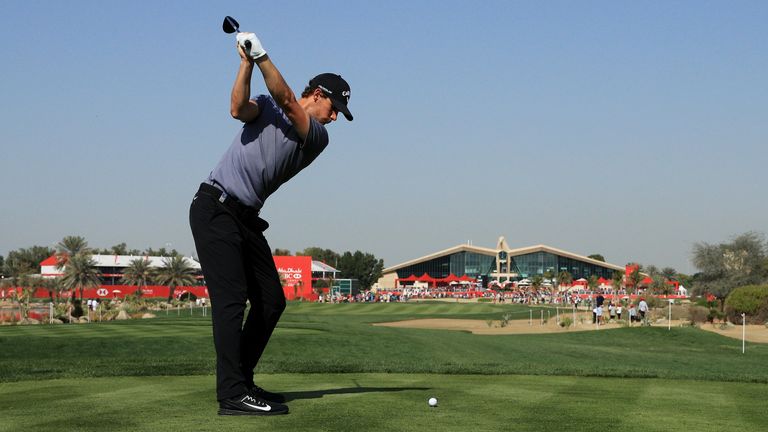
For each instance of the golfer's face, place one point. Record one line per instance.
(326, 113)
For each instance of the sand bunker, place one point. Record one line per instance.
(754, 333)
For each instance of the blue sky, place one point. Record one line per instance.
(630, 129)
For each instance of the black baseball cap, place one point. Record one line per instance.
(336, 89)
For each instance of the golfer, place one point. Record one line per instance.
(281, 136)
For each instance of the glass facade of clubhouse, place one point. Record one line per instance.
(502, 264)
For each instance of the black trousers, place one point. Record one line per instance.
(238, 266)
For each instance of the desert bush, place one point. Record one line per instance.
(566, 322)
(655, 302)
(714, 314)
(751, 300)
(77, 309)
(698, 314)
(505, 320)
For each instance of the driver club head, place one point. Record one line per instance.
(230, 25)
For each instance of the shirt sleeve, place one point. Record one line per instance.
(317, 137)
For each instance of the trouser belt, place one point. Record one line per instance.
(227, 200)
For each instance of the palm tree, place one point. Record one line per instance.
(564, 278)
(19, 278)
(175, 272)
(80, 273)
(138, 273)
(634, 279)
(28, 284)
(536, 282)
(70, 246)
(617, 280)
(669, 273)
(592, 282)
(53, 286)
(659, 285)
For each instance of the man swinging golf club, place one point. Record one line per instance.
(281, 136)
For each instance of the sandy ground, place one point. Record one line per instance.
(754, 333)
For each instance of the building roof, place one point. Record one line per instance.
(319, 266)
(502, 246)
(124, 261)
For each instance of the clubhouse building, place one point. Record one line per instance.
(468, 263)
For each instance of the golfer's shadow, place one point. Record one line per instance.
(316, 394)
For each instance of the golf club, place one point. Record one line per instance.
(231, 25)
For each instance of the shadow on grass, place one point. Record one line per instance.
(316, 394)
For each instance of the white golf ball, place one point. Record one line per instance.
(432, 402)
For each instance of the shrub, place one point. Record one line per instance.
(751, 300)
(714, 314)
(655, 302)
(566, 322)
(698, 314)
(77, 309)
(505, 320)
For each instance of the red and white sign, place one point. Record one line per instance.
(296, 275)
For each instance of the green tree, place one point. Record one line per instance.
(597, 257)
(26, 260)
(80, 273)
(669, 273)
(564, 278)
(53, 286)
(70, 246)
(118, 249)
(549, 274)
(592, 282)
(634, 279)
(162, 252)
(617, 279)
(659, 285)
(726, 266)
(652, 271)
(28, 284)
(319, 254)
(175, 272)
(281, 252)
(138, 273)
(536, 282)
(361, 266)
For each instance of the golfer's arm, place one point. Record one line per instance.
(240, 106)
(283, 96)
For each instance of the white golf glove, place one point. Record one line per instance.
(251, 45)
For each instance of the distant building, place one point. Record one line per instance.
(500, 264)
(113, 266)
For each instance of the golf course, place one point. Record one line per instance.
(340, 372)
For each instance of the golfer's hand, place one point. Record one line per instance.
(250, 46)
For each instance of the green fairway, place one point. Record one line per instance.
(390, 402)
(326, 338)
(341, 373)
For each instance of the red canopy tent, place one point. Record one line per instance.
(448, 279)
(411, 278)
(427, 278)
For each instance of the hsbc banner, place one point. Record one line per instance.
(295, 275)
(120, 291)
